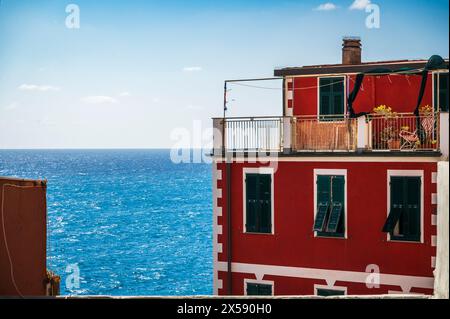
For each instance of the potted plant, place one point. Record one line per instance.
(388, 133)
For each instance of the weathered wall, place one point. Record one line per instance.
(24, 221)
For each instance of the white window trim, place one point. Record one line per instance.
(258, 170)
(337, 288)
(318, 93)
(434, 74)
(406, 173)
(261, 282)
(338, 172)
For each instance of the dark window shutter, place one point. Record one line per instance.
(336, 222)
(252, 289)
(443, 91)
(265, 290)
(412, 203)
(265, 213)
(331, 96)
(252, 202)
(323, 201)
(329, 292)
(396, 205)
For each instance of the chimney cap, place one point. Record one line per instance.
(351, 38)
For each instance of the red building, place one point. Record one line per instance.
(345, 202)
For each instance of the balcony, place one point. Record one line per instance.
(331, 134)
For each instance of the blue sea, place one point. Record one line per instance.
(131, 221)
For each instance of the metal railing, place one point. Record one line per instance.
(254, 134)
(326, 133)
(404, 132)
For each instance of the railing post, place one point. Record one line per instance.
(443, 134)
(287, 135)
(362, 133)
(218, 136)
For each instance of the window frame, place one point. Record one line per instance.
(435, 78)
(258, 282)
(327, 172)
(263, 171)
(345, 78)
(406, 173)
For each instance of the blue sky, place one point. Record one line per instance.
(136, 70)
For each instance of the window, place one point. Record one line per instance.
(254, 289)
(258, 201)
(330, 212)
(329, 292)
(331, 98)
(441, 92)
(403, 222)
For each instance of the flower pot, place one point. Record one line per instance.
(394, 144)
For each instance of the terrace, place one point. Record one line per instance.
(404, 134)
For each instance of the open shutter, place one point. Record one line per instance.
(323, 201)
(396, 205)
(265, 197)
(252, 202)
(412, 208)
(336, 220)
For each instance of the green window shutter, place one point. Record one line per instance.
(338, 96)
(337, 218)
(412, 209)
(323, 201)
(331, 96)
(329, 292)
(396, 205)
(252, 289)
(265, 213)
(252, 202)
(264, 290)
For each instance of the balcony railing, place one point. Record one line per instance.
(402, 132)
(327, 133)
(254, 134)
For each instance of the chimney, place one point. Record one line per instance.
(351, 50)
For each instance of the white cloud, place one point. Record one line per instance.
(194, 107)
(326, 7)
(41, 88)
(124, 94)
(192, 68)
(99, 99)
(359, 4)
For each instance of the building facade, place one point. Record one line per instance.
(337, 195)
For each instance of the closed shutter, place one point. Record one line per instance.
(265, 197)
(323, 201)
(331, 97)
(412, 203)
(252, 202)
(252, 289)
(265, 290)
(338, 97)
(325, 96)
